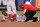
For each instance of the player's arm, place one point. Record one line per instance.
(3, 19)
(23, 12)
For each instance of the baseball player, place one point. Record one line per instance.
(27, 7)
(11, 6)
(5, 16)
(29, 14)
(19, 18)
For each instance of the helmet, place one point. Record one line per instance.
(20, 5)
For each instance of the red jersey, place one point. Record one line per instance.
(29, 7)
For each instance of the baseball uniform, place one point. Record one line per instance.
(11, 6)
(19, 18)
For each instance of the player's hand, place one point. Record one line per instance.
(20, 15)
(2, 20)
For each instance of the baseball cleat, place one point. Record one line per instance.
(30, 21)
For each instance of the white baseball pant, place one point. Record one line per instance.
(11, 6)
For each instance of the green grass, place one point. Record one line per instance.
(37, 14)
(19, 12)
(1, 14)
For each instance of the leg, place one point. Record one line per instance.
(35, 19)
(14, 11)
(9, 11)
(30, 15)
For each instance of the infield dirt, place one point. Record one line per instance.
(19, 24)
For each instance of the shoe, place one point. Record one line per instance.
(30, 21)
(15, 20)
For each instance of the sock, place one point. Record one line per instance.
(15, 17)
(9, 17)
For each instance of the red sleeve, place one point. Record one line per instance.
(33, 9)
(25, 7)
